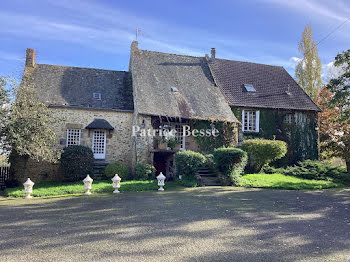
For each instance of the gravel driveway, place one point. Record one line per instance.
(203, 224)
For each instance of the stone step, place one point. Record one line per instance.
(207, 175)
(210, 181)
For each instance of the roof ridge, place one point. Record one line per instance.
(91, 68)
(163, 53)
(248, 62)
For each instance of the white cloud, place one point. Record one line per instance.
(330, 71)
(316, 8)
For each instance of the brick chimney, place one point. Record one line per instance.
(30, 57)
(212, 57)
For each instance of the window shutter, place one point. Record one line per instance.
(257, 121)
(243, 111)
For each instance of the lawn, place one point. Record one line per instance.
(67, 188)
(280, 181)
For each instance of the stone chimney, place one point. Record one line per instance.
(30, 57)
(134, 44)
(212, 57)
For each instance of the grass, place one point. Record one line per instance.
(279, 181)
(44, 189)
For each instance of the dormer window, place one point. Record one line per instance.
(249, 88)
(96, 96)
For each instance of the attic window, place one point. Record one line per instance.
(96, 96)
(249, 88)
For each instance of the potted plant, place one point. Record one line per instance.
(174, 144)
(162, 143)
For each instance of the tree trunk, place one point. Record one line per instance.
(348, 165)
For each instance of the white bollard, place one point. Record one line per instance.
(28, 188)
(116, 183)
(88, 184)
(161, 181)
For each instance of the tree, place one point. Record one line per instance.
(340, 102)
(27, 127)
(308, 70)
(6, 84)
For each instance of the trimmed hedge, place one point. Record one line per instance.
(188, 163)
(261, 152)
(144, 171)
(117, 168)
(77, 162)
(231, 162)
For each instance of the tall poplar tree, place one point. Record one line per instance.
(308, 70)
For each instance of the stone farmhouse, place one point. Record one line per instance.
(101, 108)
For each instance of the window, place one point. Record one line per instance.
(250, 121)
(180, 136)
(73, 137)
(96, 96)
(288, 119)
(249, 88)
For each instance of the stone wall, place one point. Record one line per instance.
(118, 144)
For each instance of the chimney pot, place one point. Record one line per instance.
(213, 53)
(30, 57)
(134, 44)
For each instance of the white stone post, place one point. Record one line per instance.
(28, 188)
(116, 183)
(161, 181)
(88, 184)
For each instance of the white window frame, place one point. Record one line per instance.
(76, 133)
(182, 138)
(257, 120)
(288, 119)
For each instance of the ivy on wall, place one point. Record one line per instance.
(227, 135)
(301, 134)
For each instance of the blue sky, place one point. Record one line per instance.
(98, 33)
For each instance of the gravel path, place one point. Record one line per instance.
(203, 224)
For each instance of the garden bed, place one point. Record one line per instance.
(279, 181)
(44, 189)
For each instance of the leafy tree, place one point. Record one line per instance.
(339, 102)
(328, 124)
(308, 70)
(27, 126)
(6, 86)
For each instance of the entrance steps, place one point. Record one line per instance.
(98, 172)
(208, 177)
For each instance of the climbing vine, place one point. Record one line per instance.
(227, 135)
(300, 134)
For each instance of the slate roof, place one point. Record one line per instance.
(100, 123)
(74, 87)
(271, 84)
(177, 86)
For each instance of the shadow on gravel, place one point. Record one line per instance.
(206, 224)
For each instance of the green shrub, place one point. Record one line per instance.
(117, 168)
(77, 162)
(231, 162)
(318, 170)
(188, 162)
(261, 152)
(144, 171)
(189, 182)
(272, 170)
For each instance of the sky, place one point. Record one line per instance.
(98, 34)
